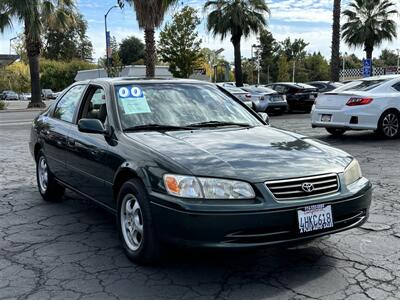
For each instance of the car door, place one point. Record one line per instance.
(56, 130)
(88, 162)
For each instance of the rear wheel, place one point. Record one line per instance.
(389, 125)
(336, 131)
(48, 187)
(135, 224)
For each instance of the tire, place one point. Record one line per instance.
(336, 131)
(389, 124)
(49, 188)
(135, 224)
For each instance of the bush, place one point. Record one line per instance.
(2, 105)
(57, 75)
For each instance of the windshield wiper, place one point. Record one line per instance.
(157, 127)
(218, 123)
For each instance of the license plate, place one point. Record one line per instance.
(326, 118)
(315, 217)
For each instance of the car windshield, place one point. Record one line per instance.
(232, 89)
(263, 90)
(178, 104)
(363, 85)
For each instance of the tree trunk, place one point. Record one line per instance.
(33, 51)
(150, 56)
(368, 52)
(238, 61)
(335, 54)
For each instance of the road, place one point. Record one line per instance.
(70, 250)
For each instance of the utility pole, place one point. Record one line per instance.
(108, 38)
(294, 70)
(398, 60)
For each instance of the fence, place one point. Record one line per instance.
(349, 74)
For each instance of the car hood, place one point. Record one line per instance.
(252, 154)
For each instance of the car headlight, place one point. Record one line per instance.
(207, 188)
(352, 172)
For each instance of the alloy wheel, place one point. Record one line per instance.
(132, 222)
(43, 174)
(390, 125)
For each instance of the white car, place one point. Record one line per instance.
(368, 104)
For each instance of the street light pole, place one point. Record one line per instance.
(108, 37)
(398, 60)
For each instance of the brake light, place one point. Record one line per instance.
(354, 101)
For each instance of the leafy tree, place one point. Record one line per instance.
(68, 43)
(317, 67)
(283, 69)
(36, 15)
(115, 66)
(15, 77)
(369, 23)
(294, 50)
(238, 18)
(388, 58)
(131, 50)
(150, 14)
(269, 55)
(335, 50)
(179, 43)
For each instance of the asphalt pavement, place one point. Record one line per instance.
(70, 250)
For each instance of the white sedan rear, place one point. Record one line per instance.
(368, 104)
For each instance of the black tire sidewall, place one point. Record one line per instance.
(148, 251)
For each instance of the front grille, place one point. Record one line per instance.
(298, 188)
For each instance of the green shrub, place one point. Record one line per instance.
(2, 105)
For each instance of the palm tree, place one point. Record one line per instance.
(150, 14)
(369, 23)
(335, 54)
(239, 18)
(35, 15)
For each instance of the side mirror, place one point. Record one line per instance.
(91, 126)
(265, 117)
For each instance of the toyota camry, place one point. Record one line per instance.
(185, 162)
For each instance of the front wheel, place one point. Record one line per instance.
(135, 224)
(389, 125)
(336, 131)
(49, 188)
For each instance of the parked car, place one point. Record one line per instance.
(9, 95)
(25, 96)
(267, 100)
(299, 96)
(325, 86)
(182, 161)
(366, 104)
(242, 95)
(48, 94)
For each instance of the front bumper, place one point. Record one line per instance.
(252, 229)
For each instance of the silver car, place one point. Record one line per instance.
(266, 100)
(243, 96)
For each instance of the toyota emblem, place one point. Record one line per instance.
(307, 187)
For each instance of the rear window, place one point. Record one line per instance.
(364, 85)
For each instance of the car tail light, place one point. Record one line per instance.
(354, 101)
(247, 96)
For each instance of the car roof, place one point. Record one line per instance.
(296, 84)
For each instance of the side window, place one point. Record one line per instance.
(397, 86)
(280, 89)
(66, 107)
(95, 105)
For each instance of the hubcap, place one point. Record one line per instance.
(132, 222)
(43, 174)
(390, 125)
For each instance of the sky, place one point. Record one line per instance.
(307, 19)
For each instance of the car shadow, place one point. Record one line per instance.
(217, 273)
